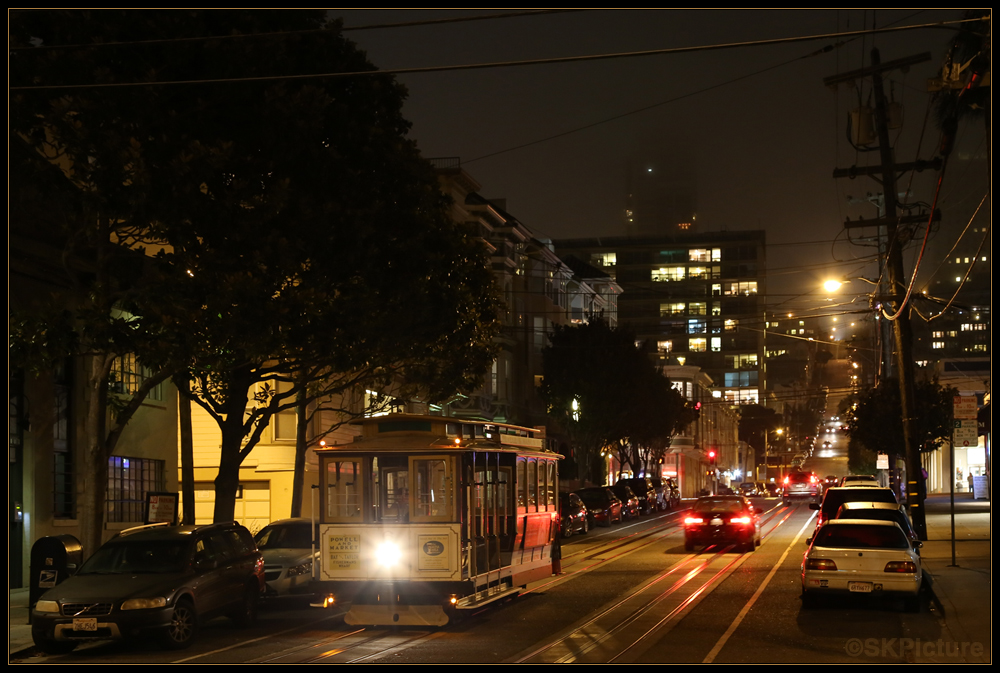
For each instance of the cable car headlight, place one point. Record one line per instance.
(388, 554)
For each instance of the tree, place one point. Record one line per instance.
(874, 417)
(606, 392)
(306, 249)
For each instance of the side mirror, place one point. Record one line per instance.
(809, 541)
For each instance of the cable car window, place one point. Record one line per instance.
(532, 484)
(343, 489)
(392, 484)
(522, 480)
(432, 498)
(551, 484)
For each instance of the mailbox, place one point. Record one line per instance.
(53, 559)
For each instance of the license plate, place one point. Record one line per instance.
(860, 587)
(716, 522)
(85, 624)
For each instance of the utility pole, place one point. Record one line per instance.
(902, 333)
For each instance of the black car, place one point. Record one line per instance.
(157, 580)
(603, 507)
(573, 514)
(631, 507)
(718, 519)
(645, 491)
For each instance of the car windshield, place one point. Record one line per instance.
(861, 536)
(138, 556)
(284, 537)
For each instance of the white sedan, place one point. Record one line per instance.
(852, 556)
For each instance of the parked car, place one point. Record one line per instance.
(662, 489)
(603, 506)
(157, 580)
(749, 489)
(879, 511)
(859, 480)
(645, 491)
(287, 546)
(674, 493)
(573, 514)
(849, 556)
(722, 519)
(833, 498)
(631, 508)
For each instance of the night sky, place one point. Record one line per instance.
(761, 146)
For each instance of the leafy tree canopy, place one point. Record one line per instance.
(606, 392)
(874, 417)
(297, 234)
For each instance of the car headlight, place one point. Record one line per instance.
(300, 569)
(144, 603)
(388, 554)
(47, 606)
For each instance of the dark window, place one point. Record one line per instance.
(129, 479)
(63, 471)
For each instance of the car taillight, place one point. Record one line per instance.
(900, 567)
(693, 520)
(812, 479)
(740, 520)
(820, 564)
(786, 481)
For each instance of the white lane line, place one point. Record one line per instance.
(753, 599)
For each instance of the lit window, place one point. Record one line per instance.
(697, 345)
(937, 344)
(699, 255)
(696, 327)
(730, 325)
(669, 273)
(698, 272)
(697, 308)
(676, 308)
(716, 344)
(664, 346)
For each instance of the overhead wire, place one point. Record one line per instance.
(502, 64)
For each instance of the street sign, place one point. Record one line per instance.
(882, 461)
(965, 407)
(965, 433)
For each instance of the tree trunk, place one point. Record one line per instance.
(301, 447)
(187, 451)
(95, 464)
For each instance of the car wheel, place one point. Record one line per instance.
(586, 527)
(183, 626)
(567, 531)
(49, 646)
(246, 616)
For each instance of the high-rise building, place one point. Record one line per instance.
(694, 298)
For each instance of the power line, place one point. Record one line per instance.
(502, 64)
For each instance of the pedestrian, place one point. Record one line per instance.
(970, 481)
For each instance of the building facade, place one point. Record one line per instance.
(698, 297)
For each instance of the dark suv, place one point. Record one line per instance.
(155, 580)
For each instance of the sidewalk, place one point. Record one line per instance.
(962, 594)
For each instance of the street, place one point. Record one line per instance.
(628, 594)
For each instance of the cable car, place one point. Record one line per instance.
(421, 516)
